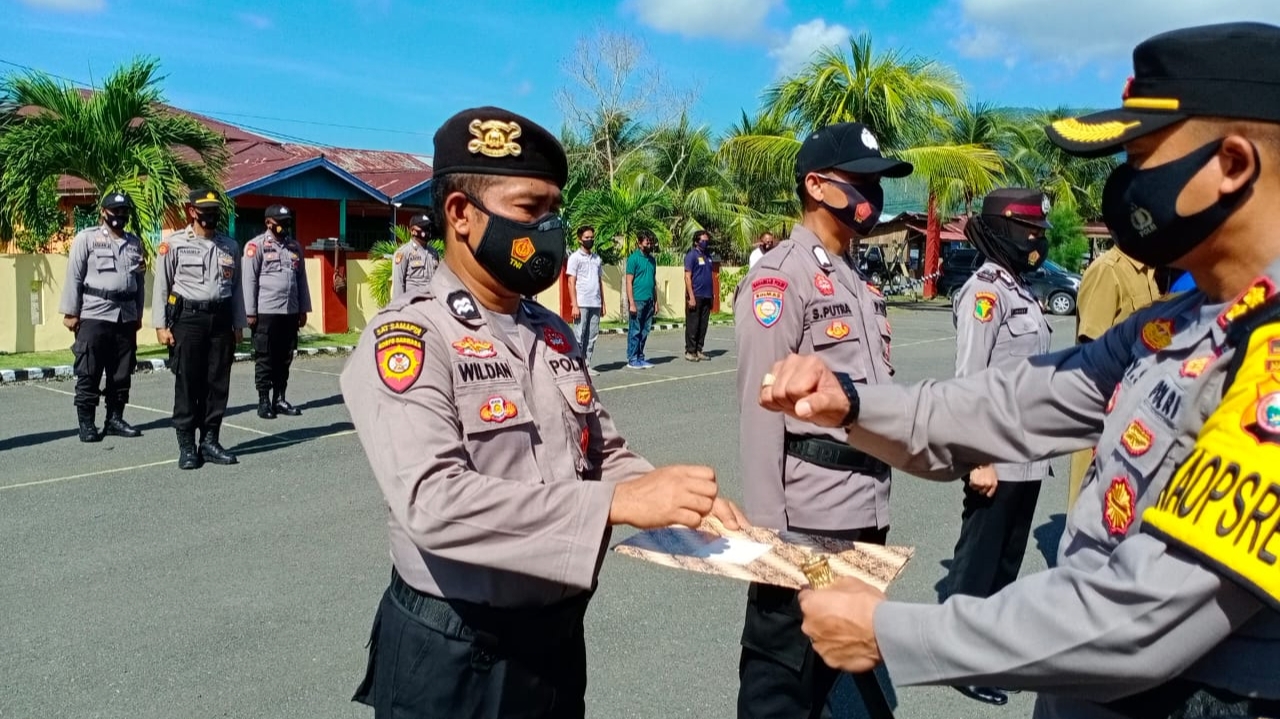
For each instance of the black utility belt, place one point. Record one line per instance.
(828, 453)
(448, 615)
(210, 306)
(117, 296)
(1184, 698)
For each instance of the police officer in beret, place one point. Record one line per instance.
(999, 324)
(276, 303)
(102, 301)
(414, 263)
(501, 470)
(806, 295)
(198, 310)
(1165, 601)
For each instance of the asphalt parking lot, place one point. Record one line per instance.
(130, 589)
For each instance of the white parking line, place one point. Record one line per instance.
(664, 379)
(164, 411)
(296, 368)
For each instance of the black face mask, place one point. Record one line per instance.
(282, 229)
(864, 202)
(117, 222)
(1141, 207)
(524, 257)
(1012, 245)
(587, 244)
(208, 219)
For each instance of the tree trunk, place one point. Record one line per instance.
(932, 249)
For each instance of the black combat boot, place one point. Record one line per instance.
(265, 410)
(116, 425)
(88, 430)
(282, 406)
(188, 457)
(211, 451)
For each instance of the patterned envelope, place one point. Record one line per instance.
(763, 555)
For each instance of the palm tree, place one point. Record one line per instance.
(1071, 181)
(903, 99)
(618, 212)
(119, 138)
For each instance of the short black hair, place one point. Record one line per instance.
(645, 235)
(584, 230)
(697, 236)
(466, 183)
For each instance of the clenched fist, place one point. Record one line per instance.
(805, 388)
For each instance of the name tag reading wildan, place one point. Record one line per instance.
(756, 554)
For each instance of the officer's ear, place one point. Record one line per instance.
(1239, 161)
(462, 216)
(814, 187)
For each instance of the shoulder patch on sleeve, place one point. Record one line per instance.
(251, 249)
(766, 299)
(1223, 503)
(398, 352)
(163, 248)
(984, 306)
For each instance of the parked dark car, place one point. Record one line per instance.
(1052, 284)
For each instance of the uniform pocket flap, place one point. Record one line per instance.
(492, 410)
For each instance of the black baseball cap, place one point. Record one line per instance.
(494, 141)
(848, 146)
(204, 198)
(1227, 70)
(116, 200)
(1030, 207)
(423, 220)
(278, 212)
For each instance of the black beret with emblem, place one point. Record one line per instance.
(278, 212)
(493, 141)
(1030, 207)
(1228, 70)
(203, 197)
(116, 200)
(848, 146)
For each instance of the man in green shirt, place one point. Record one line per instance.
(642, 295)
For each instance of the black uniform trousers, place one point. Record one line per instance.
(993, 538)
(275, 337)
(203, 350)
(431, 658)
(106, 348)
(696, 319)
(780, 676)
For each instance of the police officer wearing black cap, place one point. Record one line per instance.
(1165, 601)
(501, 471)
(276, 303)
(198, 310)
(102, 301)
(806, 296)
(414, 263)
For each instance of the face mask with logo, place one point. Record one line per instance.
(117, 222)
(1141, 207)
(862, 213)
(524, 257)
(282, 228)
(208, 219)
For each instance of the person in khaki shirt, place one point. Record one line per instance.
(501, 471)
(1113, 287)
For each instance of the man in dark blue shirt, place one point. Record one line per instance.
(698, 294)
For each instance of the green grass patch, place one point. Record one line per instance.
(54, 358)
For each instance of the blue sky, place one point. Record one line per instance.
(397, 68)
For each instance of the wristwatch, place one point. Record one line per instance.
(850, 389)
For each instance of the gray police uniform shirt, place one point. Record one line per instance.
(800, 298)
(495, 457)
(105, 262)
(274, 277)
(198, 269)
(1122, 612)
(412, 267)
(999, 324)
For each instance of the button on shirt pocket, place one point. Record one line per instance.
(104, 259)
(1022, 336)
(497, 424)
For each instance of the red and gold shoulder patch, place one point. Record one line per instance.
(823, 283)
(1157, 334)
(250, 250)
(1195, 366)
(837, 330)
(766, 299)
(1251, 299)
(1137, 438)
(984, 306)
(498, 409)
(556, 340)
(398, 258)
(472, 347)
(399, 359)
(583, 394)
(1119, 506)
(163, 249)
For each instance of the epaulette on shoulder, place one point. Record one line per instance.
(773, 259)
(986, 274)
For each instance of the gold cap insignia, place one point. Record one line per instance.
(1076, 131)
(211, 197)
(494, 138)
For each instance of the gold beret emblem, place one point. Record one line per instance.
(494, 138)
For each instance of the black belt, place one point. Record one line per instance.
(831, 454)
(450, 616)
(1183, 698)
(210, 306)
(110, 295)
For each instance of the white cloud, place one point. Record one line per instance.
(805, 39)
(1082, 31)
(255, 21)
(725, 19)
(68, 5)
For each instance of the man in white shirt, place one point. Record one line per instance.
(767, 242)
(586, 291)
